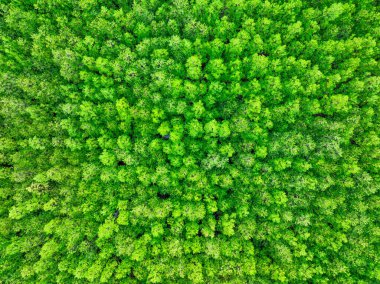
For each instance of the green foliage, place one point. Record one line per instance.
(182, 141)
(194, 67)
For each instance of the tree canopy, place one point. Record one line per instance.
(201, 141)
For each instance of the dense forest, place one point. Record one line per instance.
(189, 141)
